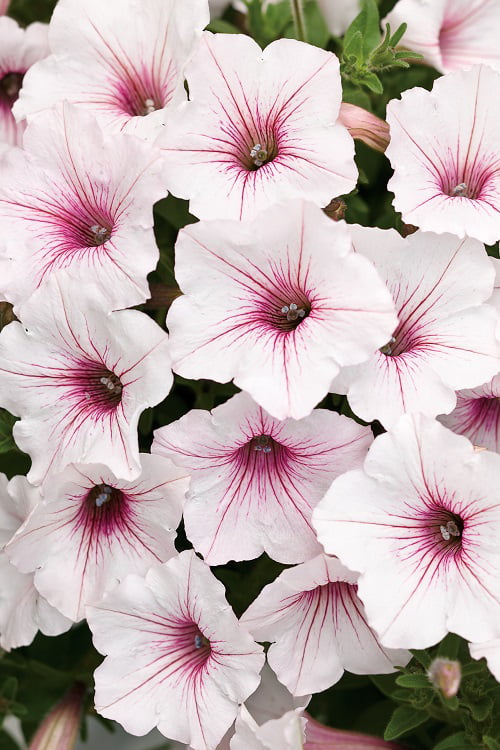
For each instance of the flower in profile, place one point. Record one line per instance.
(365, 126)
(79, 379)
(317, 627)
(450, 34)
(444, 150)
(257, 131)
(86, 205)
(59, 729)
(19, 50)
(321, 737)
(255, 480)
(176, 656)
(421, 524)
(23, 611)
(125, 66)
(446, 336)
(91, 529)
(477, 415)
(279, 304)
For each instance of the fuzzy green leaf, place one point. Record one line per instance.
(368, 24)
(415, 681)
(403, 720)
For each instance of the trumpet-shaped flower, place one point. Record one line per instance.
(79, 379)
(317, 626)
(450, 34)
(176, 656)
(122, 61)
(445, 338)
(477, 415)
(255, 480)
(421, 524)
(23, 611)
(85, 203)
(92, 529)
(19, 50)
(257, 131)
(444, 150)
(278, 304)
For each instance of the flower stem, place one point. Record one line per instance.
(299, 20)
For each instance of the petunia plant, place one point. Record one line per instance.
(250, 374)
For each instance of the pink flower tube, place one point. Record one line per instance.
(59, 729)
(4, 6)
(320, 737)
(364, 126)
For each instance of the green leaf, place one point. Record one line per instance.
(372, 81)
(403, 720)
(368, 24)
(415, 681)
(7, 422)
(449, 646)
(491, 743)
(398, 34)
(454, 742)
(6, 741)
(423, 657)
(318, 32)
(481, 708)
(354, 47)
(219, 26)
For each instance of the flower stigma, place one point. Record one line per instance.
(201, 642)
(104, 496)
(100, 234)
(293, 312)
(449, 530)
(387, 348)
(259, 155)
(263, 443)
(461, 190)
(112, 383)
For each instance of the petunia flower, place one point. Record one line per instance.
(176, 656)
(79, 379)
(23, 610)
(444, 150)
(125, 66)
(450, 34)
(286, 733)
(278, 304)
(59, 730)
(19, 50)
(477, 415)
(317, 627)
(255, 480)
(256, 130)
(445, 338)
(90, 529)
(365, 126)
(321, 737)
(80, 203)
(421, 524)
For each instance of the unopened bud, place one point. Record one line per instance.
(364, 126)
(445, 675)
(59, 729)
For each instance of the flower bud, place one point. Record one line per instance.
(59, 729)
(321, 737)
(445, 675)
(364, 126)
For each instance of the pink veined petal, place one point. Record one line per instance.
(420, 525)
(83, 205)
(235, 320)
(176, 656)
(445, 158)
(92, 529)
(123, 66)
(477, 415)
(445, 339)
(255, 480)
(79, 378)
(317, 626)
(254, 135)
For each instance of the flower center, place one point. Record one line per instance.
(461, 191)
(388, 348)
(10, 86)
(103, 495)
(109, 388)
(286, 317)
(99, 235)
(263, 443)
(201, 643)
(450, 529)
(259, 153)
